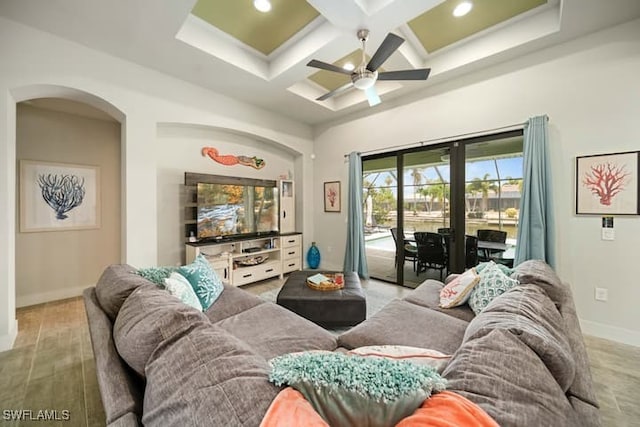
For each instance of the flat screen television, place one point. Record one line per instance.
(236, 210)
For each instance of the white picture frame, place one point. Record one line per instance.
(58, 196)
(607, 184)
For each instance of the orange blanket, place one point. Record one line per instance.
(444, 409)
(448, 409)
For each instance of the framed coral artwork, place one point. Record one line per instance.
(58, 196)
(332, 196)
(607, 184)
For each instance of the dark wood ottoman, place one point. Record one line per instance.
(344, 307)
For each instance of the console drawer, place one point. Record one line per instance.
(289, 265)
(289, 241)
(291, 253)
(244, 275)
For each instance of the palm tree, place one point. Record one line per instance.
(482, 186)
(416, 174)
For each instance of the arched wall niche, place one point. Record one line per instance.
(8, 324)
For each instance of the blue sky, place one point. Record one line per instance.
(509, 167)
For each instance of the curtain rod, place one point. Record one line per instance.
(445, 139)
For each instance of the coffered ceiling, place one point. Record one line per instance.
(260, 58)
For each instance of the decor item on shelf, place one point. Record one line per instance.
(313, 256)
(332, 196)
(58, 196)
(231, 160)
(607, 184)
(253, 260)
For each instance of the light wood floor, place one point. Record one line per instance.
(51, 365)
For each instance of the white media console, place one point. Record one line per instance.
(243, 261)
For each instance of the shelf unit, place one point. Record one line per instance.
(228, 258)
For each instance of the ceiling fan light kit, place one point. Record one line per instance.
(363, 79)
(365, 75)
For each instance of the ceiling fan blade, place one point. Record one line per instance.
(329, 67)
(388, 46)
(419, 74)
(372, 96)
(334, 92)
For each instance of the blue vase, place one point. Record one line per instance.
(313, 256)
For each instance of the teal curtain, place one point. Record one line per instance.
(355, 257)
(536, 232)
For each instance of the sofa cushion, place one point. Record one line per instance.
(179, 287)
(206, 378)
(582, 386)
(156, 275)
(204, 280)
(342, 389)
(458, 291)
(114, 286)
(403, 323)
(419, 356)
(273, 331)
(120, 389)
(493, 282)
(527, 312)
(507, 379)
(541, 274)
(428, 295)
(149, 316)
(231, 301)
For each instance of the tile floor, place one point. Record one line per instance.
(51, 365)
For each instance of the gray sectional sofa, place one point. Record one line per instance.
(160, 362)
(522, 359)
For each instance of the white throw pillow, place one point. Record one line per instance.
(179, 287)
(419, 356)
(458, 291)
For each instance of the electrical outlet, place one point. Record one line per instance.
(602, 294)
(329, 248)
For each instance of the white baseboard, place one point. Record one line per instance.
(613, 333)
(6, 341)
(33, 299)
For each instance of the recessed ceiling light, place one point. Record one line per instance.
(262, 5)
(462, 9)
(348, 66)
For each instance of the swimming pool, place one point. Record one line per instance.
(384, 243)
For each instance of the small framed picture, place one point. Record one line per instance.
(332, 196)
(607, 184)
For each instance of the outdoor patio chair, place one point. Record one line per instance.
(410, 251)
(432, 253)
(491, 236)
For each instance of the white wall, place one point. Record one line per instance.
(590, 89)
(37, 64)
(179, 151)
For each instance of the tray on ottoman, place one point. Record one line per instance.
(343, 307)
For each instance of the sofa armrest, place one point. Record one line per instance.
(120, 391)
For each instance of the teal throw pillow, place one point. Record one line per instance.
(156, 274)
(342, 388)
(506, 270)
(179, 287)
(493, 283)
(204, 281)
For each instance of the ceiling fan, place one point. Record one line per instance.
(365, 75)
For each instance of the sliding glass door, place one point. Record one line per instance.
(452, 189)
